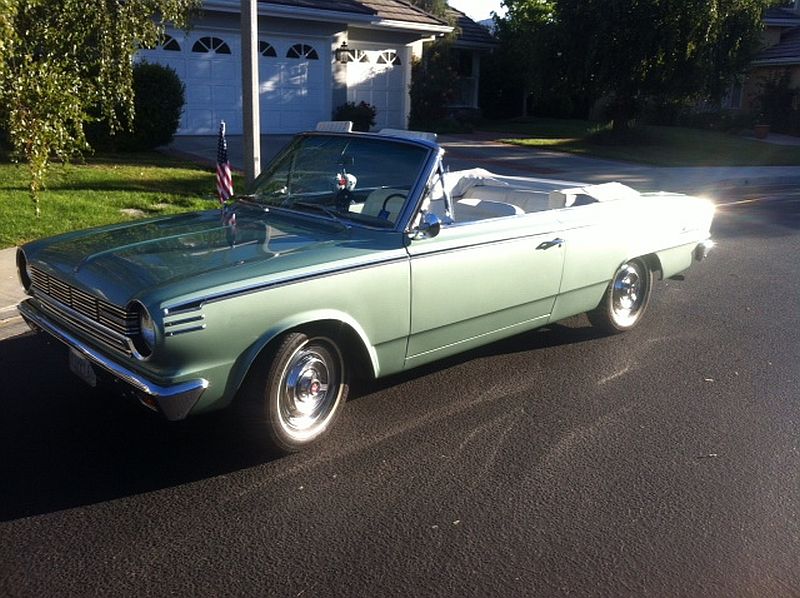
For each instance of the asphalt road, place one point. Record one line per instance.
(663, 462)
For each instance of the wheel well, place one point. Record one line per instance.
(653, 264)
(350, 343)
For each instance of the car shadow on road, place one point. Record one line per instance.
(66, 445)
(572, 331)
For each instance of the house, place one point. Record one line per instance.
(780, 54)
(314, 55)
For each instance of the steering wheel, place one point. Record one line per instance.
(384, 212)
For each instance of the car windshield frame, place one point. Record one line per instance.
(284, 165)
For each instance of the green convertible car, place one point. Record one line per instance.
(353, 254)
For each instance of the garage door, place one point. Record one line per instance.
(292, 81)
(377, 77)
(213, 88)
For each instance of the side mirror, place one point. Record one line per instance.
(430, 227)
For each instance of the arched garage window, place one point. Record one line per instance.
(357, 56)
(389, 57)
(266, 49)
(211, 44)
(302, 51)
(170, 44)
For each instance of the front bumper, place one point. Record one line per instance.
(174, 402)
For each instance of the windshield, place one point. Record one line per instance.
(364, 180)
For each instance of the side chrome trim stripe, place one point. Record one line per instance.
(197, 304)
(169, 333)
(468, 246)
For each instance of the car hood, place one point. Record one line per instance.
(193, 252)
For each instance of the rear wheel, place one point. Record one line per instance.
(626, 298)
(302, 393)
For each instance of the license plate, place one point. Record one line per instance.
(81, 367)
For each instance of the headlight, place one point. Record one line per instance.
(145, 340)
(24, 270)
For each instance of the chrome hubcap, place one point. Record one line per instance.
(309, 390)
(627, 293)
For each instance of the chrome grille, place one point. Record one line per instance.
(116, 319)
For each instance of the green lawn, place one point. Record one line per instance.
(107, 189)
(661, 146)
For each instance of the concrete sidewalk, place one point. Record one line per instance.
(11, 293)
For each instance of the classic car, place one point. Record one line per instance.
(353, 253)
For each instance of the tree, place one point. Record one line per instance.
(437, 8)
(64, 62)
(433, 85)
(671, 50)
(527, 49)
(433, 79)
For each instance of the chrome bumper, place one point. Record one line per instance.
(174, 402)
(703, 249)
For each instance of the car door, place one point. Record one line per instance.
(479, 281)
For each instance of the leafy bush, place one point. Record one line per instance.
(158, 103)
(5, 140)
(433, 86)
(362, 115)
(776, 102)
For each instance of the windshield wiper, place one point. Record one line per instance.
(321, 208)
(250, 199)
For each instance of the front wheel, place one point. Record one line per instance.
(303, 391)
(625, 300)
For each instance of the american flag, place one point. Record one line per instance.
(224, 180)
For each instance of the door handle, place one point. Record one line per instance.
(552, 243)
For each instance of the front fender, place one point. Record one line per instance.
(297, 321)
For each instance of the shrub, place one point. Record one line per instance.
(158, 103)
(362, 115)
(776, 102)
(433, 86)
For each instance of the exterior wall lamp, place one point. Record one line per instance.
(342, 53)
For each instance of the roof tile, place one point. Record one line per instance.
(472, 33)
(788, 48)
(393, 10)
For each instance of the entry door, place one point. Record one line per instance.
(483, 280)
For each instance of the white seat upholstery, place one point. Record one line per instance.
(470, 209)
(335, 126)
(525, 201)
(376, 202)
(407, 134)
(577, 196)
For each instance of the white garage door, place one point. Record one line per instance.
(377, 77)
(292, 81)
(213, 88)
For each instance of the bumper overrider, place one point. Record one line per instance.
(174, 401)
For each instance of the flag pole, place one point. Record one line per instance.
(224, 178)
(250, 101)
